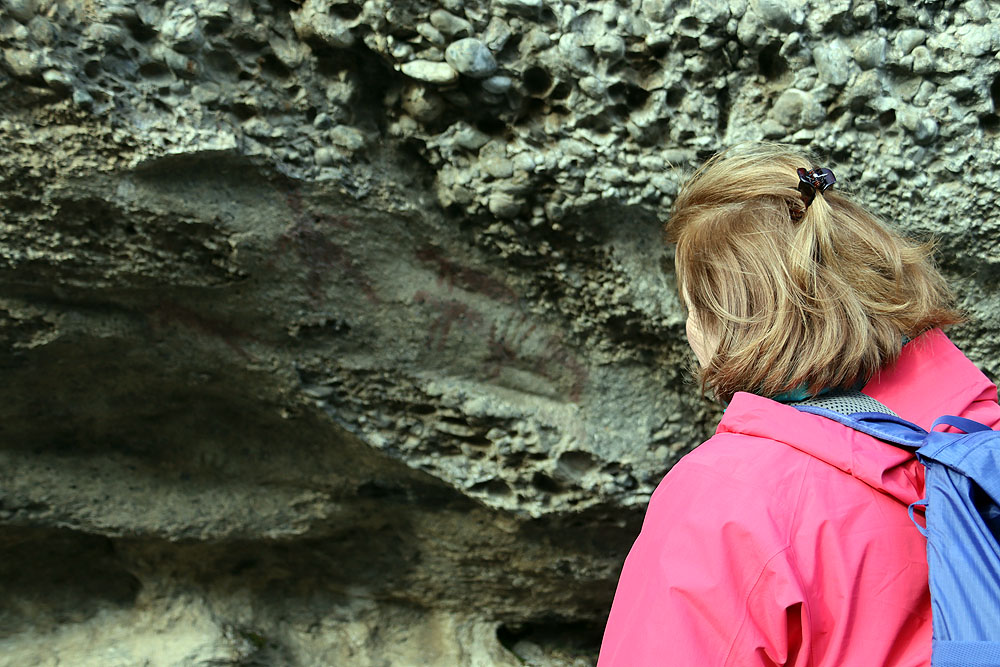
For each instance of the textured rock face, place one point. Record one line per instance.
(342, 333)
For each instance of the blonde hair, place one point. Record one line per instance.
(793, 296)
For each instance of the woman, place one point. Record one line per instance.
(785, 538)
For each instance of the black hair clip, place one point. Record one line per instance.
(811, 180)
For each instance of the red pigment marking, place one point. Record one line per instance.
(173, 313)
(311, 245)
(505, 342)
(473, 280)
(450, 312)
(553, 364)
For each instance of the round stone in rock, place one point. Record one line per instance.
(503, 204)
(430, 71)
(907, 40)
(348, 137)
(450, 24)
(781, 14)
(796, 109)
(871, 53)
(833, 63)
(926, 131)
(57, 80)
(22, 63)
(593, 87)
(497, 84)
(182, 30)
(471, 57)
(21, 10)
(611, 47)
(520, 5)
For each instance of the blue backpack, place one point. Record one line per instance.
(963, 529)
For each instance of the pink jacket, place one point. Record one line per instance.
(785, 539)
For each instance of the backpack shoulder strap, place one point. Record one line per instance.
(890, 428)
(863, 413)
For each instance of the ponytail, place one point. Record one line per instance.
(796, 291)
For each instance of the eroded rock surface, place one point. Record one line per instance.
(342, 332)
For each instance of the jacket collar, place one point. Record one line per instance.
(930, 378)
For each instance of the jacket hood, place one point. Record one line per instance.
(931, 378)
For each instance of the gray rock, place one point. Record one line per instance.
(923, 61)
(925, 91)
(576, 57)
(82, 98)
(149, 14)
(23, 63)
(504, 204)
(498, 167)
(58, 80)
(593, 87)
(711, 12)
(496, 35)
(870, 53)
(833, 62)
(315, 21)
(907, 40)
(470, 138)
(610, 47)
(431, 34)
(423, 104)
(327, 157)
(182, 30)
(750, 31)
(497, 84)
(796, 109)
(21, 10)
(782, 14)
(429, 71)
(978, 10)
(471, 57)
(656, 10)
(347, 137)
(526, 7)
(926, 131)
(43, 31)
(961, 87)
(208, 92)
(449, 24)
(978, 40)
(290, 53)
(865, 88)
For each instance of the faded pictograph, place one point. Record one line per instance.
(479, 313)
(468, 311)
(308, 237)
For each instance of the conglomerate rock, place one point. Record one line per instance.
(343, 333)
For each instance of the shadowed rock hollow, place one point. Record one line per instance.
(342, 333)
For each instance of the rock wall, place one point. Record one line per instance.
(342, 333)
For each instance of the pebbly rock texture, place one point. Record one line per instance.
(342, 333)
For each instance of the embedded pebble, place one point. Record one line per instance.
(498, 84)
(449, 24)
(610, 47)
(833, 62)
(430, 71)
(796, 109)
(182, 30)
(926, 131)
(871, 53)
(907, 40)
(471, 57)
(497, 34)
(23, 63)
